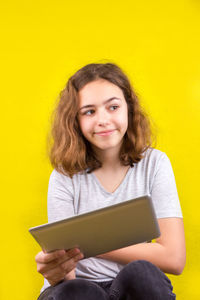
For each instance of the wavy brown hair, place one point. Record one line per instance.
(70, 152)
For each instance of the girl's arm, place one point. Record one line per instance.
(168, 252)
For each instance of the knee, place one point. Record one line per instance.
(141, 263)
(73, 286)
(140, 271)
(144, 277)
(140, 268)
(75, 289)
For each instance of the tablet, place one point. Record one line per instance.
(103, 230)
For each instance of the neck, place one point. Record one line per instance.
(109, 158)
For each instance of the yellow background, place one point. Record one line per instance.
(157, 43)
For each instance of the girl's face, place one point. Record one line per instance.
(103, 114)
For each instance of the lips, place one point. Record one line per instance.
(105, 133)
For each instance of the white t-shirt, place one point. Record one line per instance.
(152, 176)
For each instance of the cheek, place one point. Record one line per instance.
(123, 119)
(85, 126)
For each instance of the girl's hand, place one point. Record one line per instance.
(56, 265)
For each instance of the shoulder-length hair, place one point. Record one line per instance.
(70, 152)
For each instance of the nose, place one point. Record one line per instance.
(103, 118)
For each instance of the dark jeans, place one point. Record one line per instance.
(138, 280)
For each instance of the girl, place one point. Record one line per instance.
(102, 155)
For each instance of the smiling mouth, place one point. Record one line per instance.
(105, 133)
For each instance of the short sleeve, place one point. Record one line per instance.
(164, 191)
(60, 200)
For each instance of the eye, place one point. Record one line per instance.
(89, 112)
(113, 107)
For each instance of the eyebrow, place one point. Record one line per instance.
(106, 101)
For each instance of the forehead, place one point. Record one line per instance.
(99, 90)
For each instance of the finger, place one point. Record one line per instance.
(45, 258)
(42, 268)
(66, 265)
(59, 272)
